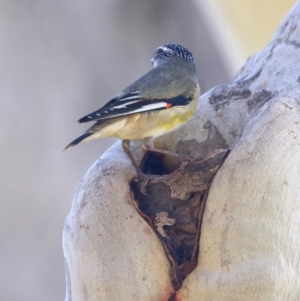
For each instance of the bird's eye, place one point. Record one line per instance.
(159, 51)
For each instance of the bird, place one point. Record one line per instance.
(159, 102)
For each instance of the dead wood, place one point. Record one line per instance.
(174, 206)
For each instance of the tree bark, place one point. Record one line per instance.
(250, 238)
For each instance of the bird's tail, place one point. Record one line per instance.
(79, 139)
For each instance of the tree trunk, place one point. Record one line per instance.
(250, 238)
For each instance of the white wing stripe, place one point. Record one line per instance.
(130, 97)
(151, 106)
(124, 105)
(145, 108)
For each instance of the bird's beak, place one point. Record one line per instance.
(152, 61)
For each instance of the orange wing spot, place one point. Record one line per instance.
(168, 105)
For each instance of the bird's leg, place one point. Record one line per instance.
(142, 176)
(126, 148)
(148, 145)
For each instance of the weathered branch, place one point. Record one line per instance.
(250, 238)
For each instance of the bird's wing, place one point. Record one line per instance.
(131, 103)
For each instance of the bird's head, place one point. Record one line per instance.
(167, 51)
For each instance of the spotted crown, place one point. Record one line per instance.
(166, 51)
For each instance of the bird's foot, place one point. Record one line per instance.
(145, 181)
(184, 163)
